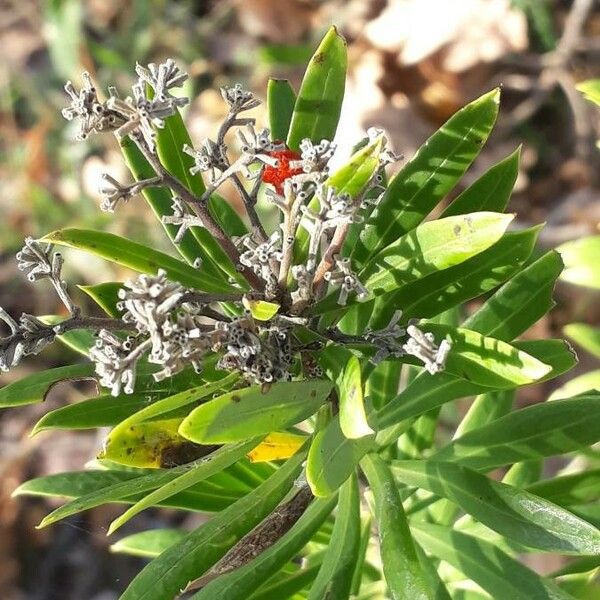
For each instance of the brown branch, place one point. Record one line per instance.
(261, 538)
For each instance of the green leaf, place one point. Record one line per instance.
(431, 247)
(148, 544)
(352, 177)
(206, 497)
(591, 90)
(565, 490)
(488, 361)
(496, 572)
(353, 417)
(584, 335)
(281, 99)
(427, 391)
(484, 409)
(135, 256)
(105, 295)
(545, 429)
(170, 141)
(103, 411)
(128, 491)
(401, 565)
(335, 575)
(429, 176)
(317, 108)
(214, 463)
(520, 302)
(516, 514)
(383, 383)
(491, 191)
(431, 295)
(34, 388)
(79, 340)
(333, 458)
(160, 200)
(165, 576)
(248, 412)
(288, 586)
(578, 385)
(239, 584)
(581, 261)
(174, 402)
(261, 310)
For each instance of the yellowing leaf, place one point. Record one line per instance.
(151, 445)
(277, 446)
(260, 309)
(353, 418)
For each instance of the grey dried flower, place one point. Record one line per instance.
(422, 345)
(239, 99)
(348, 281)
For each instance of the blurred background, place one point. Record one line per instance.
(412, 64)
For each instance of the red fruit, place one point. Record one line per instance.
(277, 175)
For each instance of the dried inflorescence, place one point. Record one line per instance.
(293, 267)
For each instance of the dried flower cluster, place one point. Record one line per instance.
(292, 268)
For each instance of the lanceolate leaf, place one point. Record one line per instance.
(136, 256)
(103, 411)
(565, 490)
(216, 462)
(106, 296)
(239, 584)
(33, 388)
(586, 336)
(488, 361)
(277, 446)
(444, 289)
(148, 544)
(540, 430)
(286, 587)
(496, 572)
(335, 575)
(401, 565)
(333, 457)
(353, 417)
(281, 99)
(581, 261)
(248, 412)
(431, 247)
(429, 176)
(491, 191)
(484, 409)
(516, 514)
(170, 141)
(319, 102)
(165, 576)
(520, 302)
(203, 497)
(159, 199)
(426, 391)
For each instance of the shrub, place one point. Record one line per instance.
(290, 381)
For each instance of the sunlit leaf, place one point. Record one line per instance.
(581, 261)
(277, 445)
(319, 102)
(536, 431)
(281, 99)
(496, 572)
(516, 514)
(136, 256)
(249, 412)
(353, 416)
(429, 175)
(148, 544)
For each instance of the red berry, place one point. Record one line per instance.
(277, 175)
